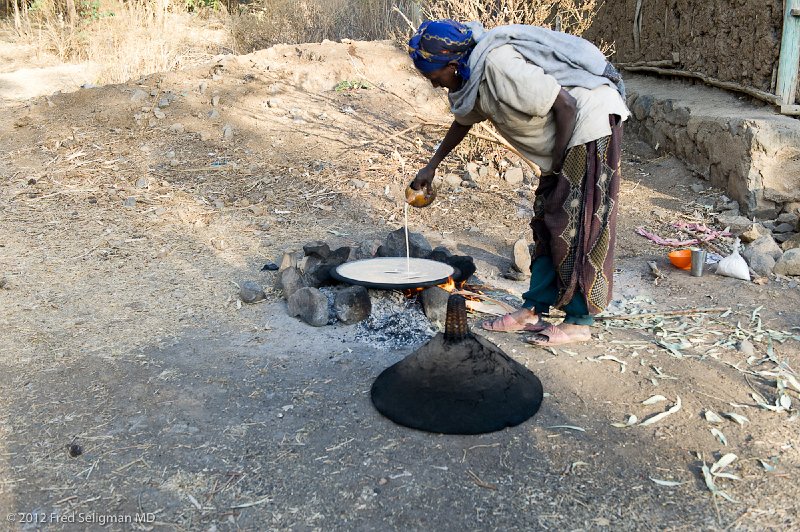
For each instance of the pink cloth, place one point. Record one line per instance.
(708, 234)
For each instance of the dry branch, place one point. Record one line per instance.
(727, 85)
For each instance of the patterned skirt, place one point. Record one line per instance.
(575, 219)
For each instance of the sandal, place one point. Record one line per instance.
(507, 323)
(552, 335)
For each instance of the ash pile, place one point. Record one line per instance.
(391, 317)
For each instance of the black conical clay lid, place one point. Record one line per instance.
(457, 384)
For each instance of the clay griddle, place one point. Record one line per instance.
(398, 273)
(457, 383)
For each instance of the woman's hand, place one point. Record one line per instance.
(424, 178)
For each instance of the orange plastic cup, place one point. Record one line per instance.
(681, 258)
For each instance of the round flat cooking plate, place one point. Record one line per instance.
(389, 273)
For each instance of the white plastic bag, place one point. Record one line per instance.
(734, 265)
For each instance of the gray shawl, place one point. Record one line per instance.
(573, 61)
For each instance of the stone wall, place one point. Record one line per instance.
(731, 40)
(743, 148)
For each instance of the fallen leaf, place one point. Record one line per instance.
(738, 418)
(712, 417)
(571, 427)
(658, 417)
(668, 483)
(609, 357)
(720, 436)
(723, 462)
(631, 421)
(653, 400)
(769, 468)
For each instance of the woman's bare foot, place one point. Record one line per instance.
(519, 320)
(565, 333)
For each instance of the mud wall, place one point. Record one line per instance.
(731, 40)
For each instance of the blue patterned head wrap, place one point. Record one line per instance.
(438, 43)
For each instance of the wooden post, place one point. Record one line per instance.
(789, 61)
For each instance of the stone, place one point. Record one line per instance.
(227, 132)
(213, 114)
(440, 254)
(251, 292)
(318, 271)
(761, 263)
(783, 228)
(310, 305)
(464, 267)
(395, 245)
(792, 207)
(746, 348)
(788, 218)
(352, 304)
(755, 231)
(522, 256)
(129, 202)
(202, 87)
(737, 224)
(158, 113)
(792, 243)
(163, 102)
(138, 95)
(514, 175)
(177, 128)
(697, 188)
(780, 238)
(357, 183)
(215, 100)
(142, 182)
(291, 258)
(472, 171)
(270, 267)
(789, 263)
(434, 304)
(764, 245)
(452, 180)
(317, 248)
(368, 249)
(290, 280)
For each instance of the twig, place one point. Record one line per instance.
(712, 310)
(755, 93)
(410, 24)
(406, 130)
(249, 504)
(480, 482)
(509, 147)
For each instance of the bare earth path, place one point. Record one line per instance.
(128, 212)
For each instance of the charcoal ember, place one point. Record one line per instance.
(457, 383)
(395, 322)
(352, 304)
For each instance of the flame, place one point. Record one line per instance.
(449, 285)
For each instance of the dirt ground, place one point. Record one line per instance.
(124, 227)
